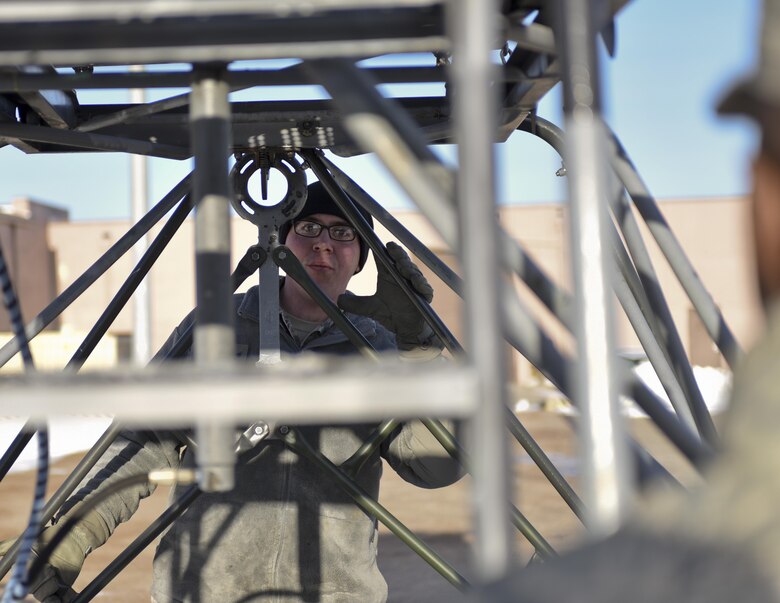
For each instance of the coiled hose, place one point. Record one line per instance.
(17, 586)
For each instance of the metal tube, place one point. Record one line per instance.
(702, 301)
(472, 28)
(354, 464)
(544, 463)
(294, 75)
(628, 289)
(380, 253)
(294, 269)
(66, 489)
(398, 230)
(668, 330)
(214, 338)
(83, 282)
(553, 135)
(520, 521)
(268, 312)
(606, 474)
(142, 302)
(379, 126)
(93, 142)
(528, 338)
(299, 445)
(148, 536)
(19, 443)
(253, 258)
(126, 290)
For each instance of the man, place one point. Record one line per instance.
(285, 532)
(719, 543)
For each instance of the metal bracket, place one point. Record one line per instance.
(268, 220)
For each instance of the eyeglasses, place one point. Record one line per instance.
(338, 232)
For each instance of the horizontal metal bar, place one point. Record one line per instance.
(60, 10)
(55, 107)
(224, 53)
(291, 76)
(192, 39)
(321, 390)
(94, 142)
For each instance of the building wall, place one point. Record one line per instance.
(29, 255)
(714, 233)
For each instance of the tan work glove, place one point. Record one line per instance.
(53, 582)
(391, 307)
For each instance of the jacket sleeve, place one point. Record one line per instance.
(416, 455)
(174, 337)
(132, 453)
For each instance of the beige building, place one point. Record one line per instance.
(46, 253)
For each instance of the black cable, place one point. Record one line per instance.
(16, 589)
(75, 516)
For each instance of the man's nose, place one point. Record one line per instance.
(323, 240)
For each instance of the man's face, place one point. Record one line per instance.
(329, 263)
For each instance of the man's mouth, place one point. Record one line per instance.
(320, 266)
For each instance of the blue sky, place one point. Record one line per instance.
(674, 60)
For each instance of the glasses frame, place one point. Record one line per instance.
(328, 228)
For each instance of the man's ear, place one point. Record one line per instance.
(766, 225)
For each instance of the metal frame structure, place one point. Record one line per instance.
(546, 42)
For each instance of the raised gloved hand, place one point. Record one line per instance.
(53, 582)
(391, 307)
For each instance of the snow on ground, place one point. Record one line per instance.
(714, 383)
(66, 436)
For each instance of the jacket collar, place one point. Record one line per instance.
(250, 305)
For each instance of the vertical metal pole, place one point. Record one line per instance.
(268, 310)
(472, 29)
(142, 324)
(601, 431)
(214, 339)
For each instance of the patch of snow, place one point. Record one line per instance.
(714, 383)
(66, 436)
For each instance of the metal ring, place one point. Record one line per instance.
(268, 216)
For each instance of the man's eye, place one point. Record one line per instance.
(341, 232)
(309, 228)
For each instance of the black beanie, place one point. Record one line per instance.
(318, 201)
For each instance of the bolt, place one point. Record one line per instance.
(255, 256)
(284, 429)
(282, 255)
(259, 429)
(306, 128)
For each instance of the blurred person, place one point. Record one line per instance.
(286, 532)
(719, 543)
